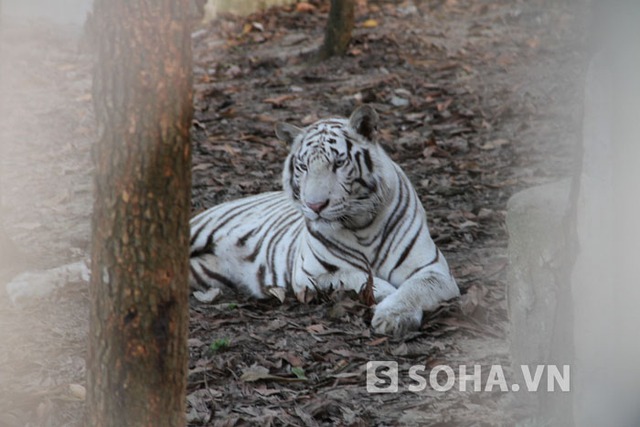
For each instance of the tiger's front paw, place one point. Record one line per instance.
(306, 295)
(207, 296)
(394, 318)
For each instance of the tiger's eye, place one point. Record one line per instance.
(340, 162)
(302, 166)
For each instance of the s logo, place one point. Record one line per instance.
(382, 376)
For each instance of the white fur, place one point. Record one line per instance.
(372, 216)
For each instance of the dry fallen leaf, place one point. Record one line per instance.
(278, 100)
(485, 213)
(378, 341)
(533, 42)
(278, 293)
(315, 329)
(468, 270)
(78, 391)
(467, 224)
(400, 350)
(496, 143)
(472, 299)
(370, 23)
(366, 293)
(304, 7)
(202, 166)
(249, 27)
(291, 358)
(264, 391)
(195, 342)
(307, 120)
(255, 373)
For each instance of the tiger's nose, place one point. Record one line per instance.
(318, 207)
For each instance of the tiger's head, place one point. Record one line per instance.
(335, 172)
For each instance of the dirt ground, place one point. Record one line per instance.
(478, 99)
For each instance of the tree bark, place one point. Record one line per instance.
(338, 31)
(142, 91)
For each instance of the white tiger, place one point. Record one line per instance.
(347, 212)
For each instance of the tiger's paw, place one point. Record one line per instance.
(306, 295)
(393, 318)
(208, 295)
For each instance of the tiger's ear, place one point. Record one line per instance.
(364, 120)
(287, 133)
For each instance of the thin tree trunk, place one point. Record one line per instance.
(338, 31)
(137, 359)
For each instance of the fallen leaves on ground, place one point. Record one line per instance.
(466, 91)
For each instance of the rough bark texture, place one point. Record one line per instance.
(137, 357)
(339, 27)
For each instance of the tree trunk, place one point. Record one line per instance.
(338, 31)
(142, 91)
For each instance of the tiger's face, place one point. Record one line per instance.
(333, 172)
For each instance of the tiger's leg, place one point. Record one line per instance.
(402, 310)
(204, 281)
(211, 275)
(306, 288)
